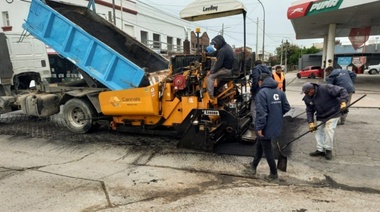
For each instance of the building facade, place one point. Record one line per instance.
(153, 27)
(346, 57)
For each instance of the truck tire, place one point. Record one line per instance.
(312, 76)
(78, 115)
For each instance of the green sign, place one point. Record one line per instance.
(324, 6)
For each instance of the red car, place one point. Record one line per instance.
(310, 72)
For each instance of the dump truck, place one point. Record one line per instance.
(21, 61)
(128, 85)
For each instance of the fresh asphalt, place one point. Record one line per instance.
(38, 174)
(356, 157)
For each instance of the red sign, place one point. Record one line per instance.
(358, 36)
(299, 10)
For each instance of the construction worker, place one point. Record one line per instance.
(279, 77)
(329, 63)
(257, 70)
(224, 61)
(271, 105)
(327, 103)
(343, 78)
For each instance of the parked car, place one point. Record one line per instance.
(373, 69)
(311, 72)
(282, 67)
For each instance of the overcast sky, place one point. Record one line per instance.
(277, 25)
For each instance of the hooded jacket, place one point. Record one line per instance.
(342, 78)
(256, 71)
(325, 103)
(271, 105)
(224, 54)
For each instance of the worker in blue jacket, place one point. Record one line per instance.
(271, 105)
(343, 78)
(257, 70)
(327, 102)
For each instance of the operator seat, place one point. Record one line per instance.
(235, 76)
(236, 69)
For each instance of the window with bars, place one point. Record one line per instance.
(156, 41)
(178, 44)
(144, 37)
(6, 21)
(169, 41)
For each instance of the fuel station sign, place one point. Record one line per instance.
(358, 36)
(324, 6)
(313, 8)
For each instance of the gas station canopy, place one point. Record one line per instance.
(311, 19)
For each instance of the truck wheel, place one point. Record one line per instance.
(312, 76)
(298, 76)
(78, 115)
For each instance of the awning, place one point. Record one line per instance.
(310, 19)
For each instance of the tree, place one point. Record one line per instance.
(293, 52)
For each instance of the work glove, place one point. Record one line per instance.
(312, 127)
(343, 107)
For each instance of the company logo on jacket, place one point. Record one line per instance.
(276, 99)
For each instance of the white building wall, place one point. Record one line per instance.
(149, 19)
(17, 11)
(156, 21)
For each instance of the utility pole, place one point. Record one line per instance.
(257, 39)
(263, 29)
(113, 10)
(121, 14)
(282, 49)
(221, 32)
(286, 56)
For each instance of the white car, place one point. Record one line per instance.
(373, 69)
(282, 67)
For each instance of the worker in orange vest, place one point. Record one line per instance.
(279, 77)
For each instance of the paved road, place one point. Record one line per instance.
(357, 143)
(60, 171)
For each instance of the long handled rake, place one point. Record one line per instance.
(282, 159)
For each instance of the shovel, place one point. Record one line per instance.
(282, 159)
(291, 118)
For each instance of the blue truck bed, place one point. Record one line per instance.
(96, 46)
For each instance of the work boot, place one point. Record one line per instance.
(317, 153)
(328, 155)
(272, 176)
(253, 171)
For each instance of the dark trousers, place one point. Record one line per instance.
(265, 145)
